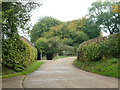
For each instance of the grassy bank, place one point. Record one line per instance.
(108, 67)
(32, 67)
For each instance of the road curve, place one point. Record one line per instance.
(61, 73)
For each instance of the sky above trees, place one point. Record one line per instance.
(64, 10)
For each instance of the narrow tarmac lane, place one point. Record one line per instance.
(62, 73)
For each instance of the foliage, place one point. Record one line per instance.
(116, 8)
(43, 25)
(49, 21)
(96, 50)
(41, 44)
(69, 33)
(101, 13)
(49, 47)
(91, 29)
(15, 15)
(37, 30)
(31, 52)
(18, 56)
(15, 56)
(53, 46)
(108, 67)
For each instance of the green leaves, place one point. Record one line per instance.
(96, 50)
(101, 13)
(42, 26)
(49, 47)
(15, 15)
(17, 55)
(41, 44)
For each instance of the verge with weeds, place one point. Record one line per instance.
(32, 67)
(107, 67)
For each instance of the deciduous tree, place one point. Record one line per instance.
(101, 13)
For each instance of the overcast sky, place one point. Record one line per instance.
(64, 10)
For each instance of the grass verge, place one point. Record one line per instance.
(32, 67)
(58, 57)
(107, 67)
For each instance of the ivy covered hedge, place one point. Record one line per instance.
(17, 55)
(97, 49)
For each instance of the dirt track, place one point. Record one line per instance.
(62, 73)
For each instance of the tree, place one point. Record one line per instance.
(101, 13)
(43, 26)
(15, 15)
(91, 29)
(79, 37)
(71, 33)
(49, 47)
(67, 41)
(53, 47)
(116, 8)
(41, 44)
(37, 31)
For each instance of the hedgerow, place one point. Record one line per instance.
(96, 50)
(17, 55)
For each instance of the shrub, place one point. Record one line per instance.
(17, 55)
(31, 52)
(13, 54)
(50, 47)
(53, 47)
(41, 44)
(96, 50)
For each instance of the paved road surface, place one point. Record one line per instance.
(62, 73)
(13, 82)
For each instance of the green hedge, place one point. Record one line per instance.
(31, 52)
(17, 54)
(96, 50)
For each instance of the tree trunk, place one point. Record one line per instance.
(109, 30)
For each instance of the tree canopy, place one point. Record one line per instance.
(75, 32)
(43, 25)
(101, 13)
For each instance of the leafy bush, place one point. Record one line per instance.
(50, 47)
(14, 54)
(110, 47)
(31, 52)
(17, 55)
(41, 44)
